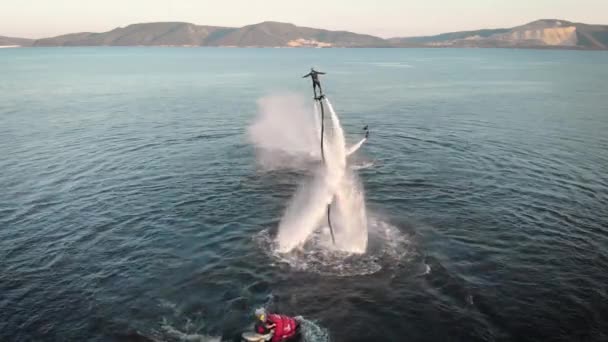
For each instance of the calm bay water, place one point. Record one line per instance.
(131, 201)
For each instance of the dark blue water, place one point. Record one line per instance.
(131, 200)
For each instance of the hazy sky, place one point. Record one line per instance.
(387, 18)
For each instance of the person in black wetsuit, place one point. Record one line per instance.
(315, 82)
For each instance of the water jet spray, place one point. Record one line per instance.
(314, 75)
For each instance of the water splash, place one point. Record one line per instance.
(387, 247)
(184, 336)
(285, 134)
(333, 183)
(177, 327)
(349, 216)
(305, 212)
(311, 332)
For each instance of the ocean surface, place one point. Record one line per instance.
(132, 206)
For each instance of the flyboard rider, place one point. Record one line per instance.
(314, 75)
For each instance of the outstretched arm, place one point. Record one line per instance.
(307, 75)
(320, 73)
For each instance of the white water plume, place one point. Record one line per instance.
(332, 184)
(355, 147)
(348, 215)
(305, 213)
(285, 133)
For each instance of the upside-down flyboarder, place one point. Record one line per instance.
(314, 75)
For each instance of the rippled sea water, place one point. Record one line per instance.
(132, 207)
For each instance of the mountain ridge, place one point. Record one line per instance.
(264, 34)
(12, 41)
(543, 33)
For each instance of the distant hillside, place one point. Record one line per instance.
(150, 34)
(282, 34)
(429, 40)
(266, 34)
(546, 33)
(10, 41)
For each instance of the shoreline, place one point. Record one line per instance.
(561, 48)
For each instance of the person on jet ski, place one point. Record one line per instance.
(281, 327)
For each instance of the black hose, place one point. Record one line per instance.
(331, 230)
